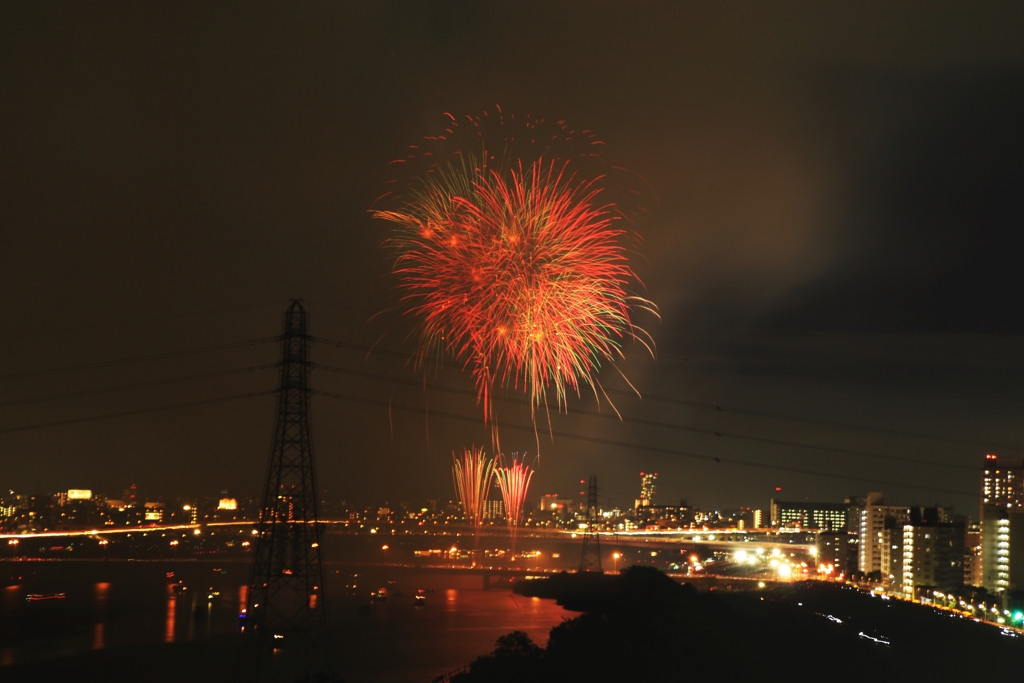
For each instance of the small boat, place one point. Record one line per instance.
(420, 598)
(35, 597)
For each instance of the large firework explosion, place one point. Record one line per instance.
(473, 473)
(514, 482)
(518, 270)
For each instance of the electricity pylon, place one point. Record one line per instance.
(591, 560)
(287, 603)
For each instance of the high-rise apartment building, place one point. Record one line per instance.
(973, 573)
(1002, 549)
(871, 530)
(494, 509)
(933, 551)
(1002, 523)
(838, 550)
(647, 484)
(892, 553)
(1002, 483)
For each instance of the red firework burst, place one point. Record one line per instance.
(518, 269)
(523, 279)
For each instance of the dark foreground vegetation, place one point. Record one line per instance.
(643, 626)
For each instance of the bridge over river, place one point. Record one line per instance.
(502, 577)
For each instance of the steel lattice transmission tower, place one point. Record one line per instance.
(287, 603)
(591, 560)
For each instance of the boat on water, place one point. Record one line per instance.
(35, 597)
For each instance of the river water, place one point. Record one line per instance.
(123, 617)
(115, 606)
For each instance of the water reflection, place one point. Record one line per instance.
(192, 617)
(207, 614)
(100, 591)
(110, 606)
(7, 623)
(172, 604)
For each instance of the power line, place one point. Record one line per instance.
(384, 352)
(660, 425)
(137, 359)
(814, 421)
(651, 449)
(133, 321)
(139, 385)
(143, 411)
(708, 406)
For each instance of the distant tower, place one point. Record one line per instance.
(647, 483)
(286, 603)
(591, 560)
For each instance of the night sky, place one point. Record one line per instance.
(836, 196)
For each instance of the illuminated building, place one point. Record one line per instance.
(973, 574)
(1002, 483)
(1002, 524)
(803, 515)
(154, 512)
(871, 531)
(892, 553)
(1002, 549)
(837, 549)
(76, 510)
(933, 551)
(663, 516)
(227, 504)
(494, 509)
(553, 502)
(647, 487)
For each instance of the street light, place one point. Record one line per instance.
(615, 556)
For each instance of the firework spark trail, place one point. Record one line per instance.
(514, 482)
(523, 279)
(473, 473)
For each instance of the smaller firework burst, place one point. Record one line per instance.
(473, 472)
(514, 482)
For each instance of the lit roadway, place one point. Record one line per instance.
(724, 538)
